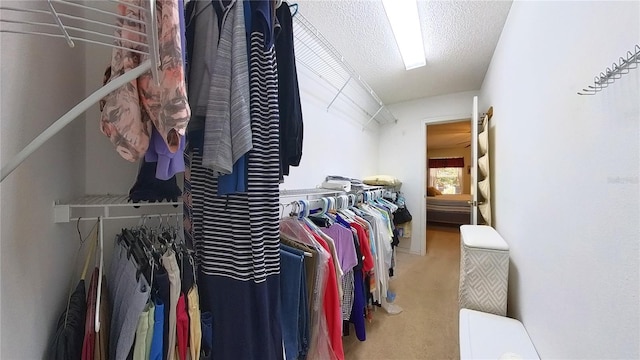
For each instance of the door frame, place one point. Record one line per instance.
(425, 123)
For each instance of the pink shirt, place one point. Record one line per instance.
(331, 306)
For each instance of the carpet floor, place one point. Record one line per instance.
(427, 290)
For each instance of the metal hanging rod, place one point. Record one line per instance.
(309, 192)
(616, 71)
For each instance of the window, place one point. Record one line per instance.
(445, 174)
(447, 180)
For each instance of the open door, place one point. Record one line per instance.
(474, 162)
(480, 175)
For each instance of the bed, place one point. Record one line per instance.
(449, 209)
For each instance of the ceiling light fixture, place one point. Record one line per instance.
(404, 20)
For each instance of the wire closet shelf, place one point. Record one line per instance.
(91, 23)
(113, 207)
(616, 71)
(316, 53)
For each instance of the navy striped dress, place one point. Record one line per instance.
(236, 237)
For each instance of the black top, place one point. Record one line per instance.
(291, 129)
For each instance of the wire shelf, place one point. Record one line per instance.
(102, 206)
(309, 192)
(314, 52)
(616, 71)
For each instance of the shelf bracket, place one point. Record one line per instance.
(338, 94)
(373, 117)
(61, 213)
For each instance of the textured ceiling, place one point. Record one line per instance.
(459, 38)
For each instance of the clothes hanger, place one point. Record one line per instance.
(322, 218)
(78, 292)
(86, 262)
(100, 273)
(294, 209)
(351, 199)
(293, 6)
(304, 212)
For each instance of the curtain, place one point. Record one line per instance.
(446, 162)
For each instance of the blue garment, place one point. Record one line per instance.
(252, 308)
(291, 271)
(357, 312)
(161, 288)
(207, 333)
(340, 220)
(157, 343)
(262, 20)
(304, 333)
(305, 322)
(236, 182)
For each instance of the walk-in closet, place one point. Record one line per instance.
(233, 179)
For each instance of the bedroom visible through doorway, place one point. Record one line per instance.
(448, 179)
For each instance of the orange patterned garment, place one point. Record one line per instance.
(129, 112)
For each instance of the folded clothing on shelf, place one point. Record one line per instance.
(382, 180)
(335, 177)
(342, 185)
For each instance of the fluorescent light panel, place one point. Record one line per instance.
(404, 20)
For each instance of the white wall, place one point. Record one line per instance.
(334, 141)
(40, 81)
(402, 151)
(565, 170)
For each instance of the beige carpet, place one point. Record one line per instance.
(427, 290)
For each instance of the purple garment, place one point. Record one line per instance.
(169, 163)
(343, 238)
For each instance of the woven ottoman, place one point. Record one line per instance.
(484, 270)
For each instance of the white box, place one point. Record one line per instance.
(484, 270)
(488, 336)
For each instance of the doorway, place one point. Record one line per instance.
(447, 172)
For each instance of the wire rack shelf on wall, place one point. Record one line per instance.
(111, 207)
(616, 71)
(318, 55)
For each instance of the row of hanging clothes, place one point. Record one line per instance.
(336, 258)
(149, 303)
(154, 299)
